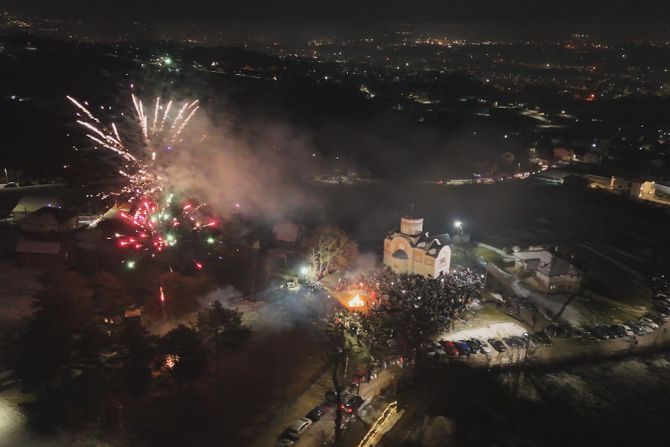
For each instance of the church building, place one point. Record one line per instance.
(410, 250)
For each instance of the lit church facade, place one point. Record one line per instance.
(410, 250)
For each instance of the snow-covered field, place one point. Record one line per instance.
(484, 322)
(611, 385)
(493, 330)
(14, 430)
(18, 287)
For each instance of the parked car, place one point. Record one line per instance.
(316, 413)
(649, 322)
(656, 317)
(607, 330)
(647, 328)
(497, 345)
(298, 428)
(541, 339)
(483, 347)
(618, 330)
(514, 341)
(352, 404)
(662, 309)
(598, 333)
(554, 330)
(462, 347)
(473, 345)
(438, 348)
(629, 332)
(450, 348)
(637, 328)
(431, 350)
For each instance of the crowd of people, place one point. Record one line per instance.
(441, 298)
(435, 301)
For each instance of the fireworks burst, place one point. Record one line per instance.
(138, 160)
(154, 219)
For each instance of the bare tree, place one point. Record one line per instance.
(337, 354)
(330, 249)
(222, 330)
(530, 357)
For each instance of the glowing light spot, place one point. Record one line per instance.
(356, 301)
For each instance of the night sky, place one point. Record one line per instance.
(530, 12)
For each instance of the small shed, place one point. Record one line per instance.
(29, 204)
(49, 220)
(41, 253)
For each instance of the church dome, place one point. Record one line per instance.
(411, 226)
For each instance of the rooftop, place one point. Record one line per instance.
(546, 263)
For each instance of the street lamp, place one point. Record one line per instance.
(304, 270)
(459, 225)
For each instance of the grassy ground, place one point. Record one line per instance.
(611, 280)
(602, 310)
(462, 256)
(488, 314)
(489, 256)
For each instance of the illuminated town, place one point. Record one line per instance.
(346, 225)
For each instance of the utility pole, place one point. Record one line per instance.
(253, 276)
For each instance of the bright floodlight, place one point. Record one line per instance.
(304, 270)
(458, 224)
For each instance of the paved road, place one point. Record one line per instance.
(323, 429)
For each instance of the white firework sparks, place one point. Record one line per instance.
(164, 131)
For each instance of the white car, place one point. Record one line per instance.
(437, 347)
(299, 427)
(485, 347)
(629, 331)
(433, 350)
(646, 321)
